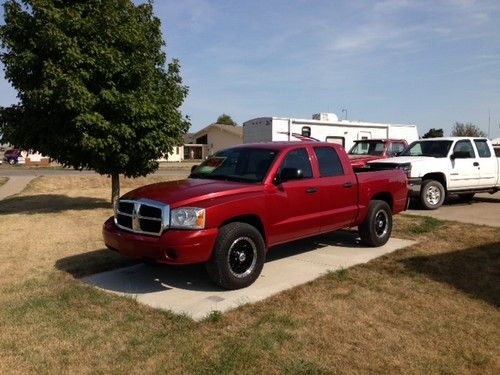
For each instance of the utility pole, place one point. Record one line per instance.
(489, 123)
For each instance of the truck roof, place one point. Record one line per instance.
(284, 144)
(451, 138)
(380, 140)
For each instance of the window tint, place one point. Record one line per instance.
(237, 164)
(463, 149)
(328, 161)
(397, 147)
(436, 149)
(482, 148)
(298, 159)
(306, 131)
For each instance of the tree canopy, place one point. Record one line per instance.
(468, 129)
(226, 120)
(94, 87)
(433, 133)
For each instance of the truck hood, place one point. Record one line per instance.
(407, 159)
(190, 191)
(360, 160)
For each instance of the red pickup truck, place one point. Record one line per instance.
(244, 200)
(365, 150)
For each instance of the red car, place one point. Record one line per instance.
(242, 201)
(366, 150)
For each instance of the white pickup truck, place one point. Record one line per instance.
(437, 167)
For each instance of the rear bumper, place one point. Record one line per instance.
(172, 247)
(414, 186)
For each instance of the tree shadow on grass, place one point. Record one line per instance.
(49, 203)
(85, 264)
(476, 271)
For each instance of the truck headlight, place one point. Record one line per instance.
(406, 168)
(187, 218)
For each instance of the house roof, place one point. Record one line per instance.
(236, 130)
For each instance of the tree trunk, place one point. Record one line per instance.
(115, 188)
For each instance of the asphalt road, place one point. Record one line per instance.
(484, 209)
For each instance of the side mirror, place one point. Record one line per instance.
(288, 174)
(194, 167)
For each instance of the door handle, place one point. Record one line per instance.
(311, 190)
(476, 164)
(348, 185)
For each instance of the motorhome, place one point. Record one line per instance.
(325, 127)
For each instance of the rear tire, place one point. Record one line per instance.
(12, 161)
(238, 256)
(377, 227)
(432, 194)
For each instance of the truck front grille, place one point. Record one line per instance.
(143, 216)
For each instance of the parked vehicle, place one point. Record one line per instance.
(12, 156)
(244, 200)
(437, 167)
(367, 150)
(324, 127)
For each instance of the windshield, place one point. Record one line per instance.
(437, 149)
(237, 164)
(367, 148)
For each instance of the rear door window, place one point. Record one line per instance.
(328, 161)
(482, 148)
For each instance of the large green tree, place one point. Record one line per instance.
(468, 129)
(94, 88)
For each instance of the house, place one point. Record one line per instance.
(217, 137)
(207, 141)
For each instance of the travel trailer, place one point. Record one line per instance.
(325, 127)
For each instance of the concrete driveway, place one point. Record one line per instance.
(188, 290)
(484, 209)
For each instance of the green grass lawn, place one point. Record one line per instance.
(430, 308)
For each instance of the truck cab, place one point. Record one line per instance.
(437, 167)
(365, 150)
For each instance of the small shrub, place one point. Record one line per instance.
(214, 316)
(426, 225)
(339, 275)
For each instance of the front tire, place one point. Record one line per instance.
(377, 227)
(238, 256)
(432, 195)
(12, 161)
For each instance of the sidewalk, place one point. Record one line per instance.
(14, 185)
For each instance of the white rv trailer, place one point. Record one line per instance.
(325, 127)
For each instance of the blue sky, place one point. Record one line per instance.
(425, 62)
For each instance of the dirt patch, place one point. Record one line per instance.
(3, 180)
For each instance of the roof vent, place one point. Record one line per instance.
(327, 117)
